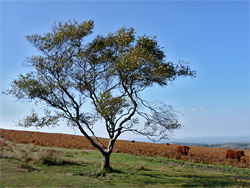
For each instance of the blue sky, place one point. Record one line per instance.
(212, 35)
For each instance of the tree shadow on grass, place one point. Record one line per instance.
(196, 180)
(210, 181)
(61, 163)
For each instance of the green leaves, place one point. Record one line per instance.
(62, 35)
(109, 106)
(28, 87)
(34, 120)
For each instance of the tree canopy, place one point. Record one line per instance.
(83, 82)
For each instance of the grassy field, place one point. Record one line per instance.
(28, 165)
(204, 155)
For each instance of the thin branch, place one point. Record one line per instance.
(124, 114)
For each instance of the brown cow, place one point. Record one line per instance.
(183, 149)
(232, 154)
(167, 144)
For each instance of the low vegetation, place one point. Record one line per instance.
(29, 165)
(196, 154)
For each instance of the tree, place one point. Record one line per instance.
(107, 74)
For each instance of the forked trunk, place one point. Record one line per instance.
(105, 163)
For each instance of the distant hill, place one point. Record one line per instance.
(227, 145)
(232, 142)
(214, 139)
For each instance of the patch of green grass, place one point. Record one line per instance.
(135, 171)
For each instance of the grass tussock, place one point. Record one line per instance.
(32, 154)
(48, 157)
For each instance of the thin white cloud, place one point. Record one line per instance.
(197, 109)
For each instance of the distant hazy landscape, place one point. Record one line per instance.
(214, 140)
(234, 142)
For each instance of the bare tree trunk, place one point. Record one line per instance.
(105, 163)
